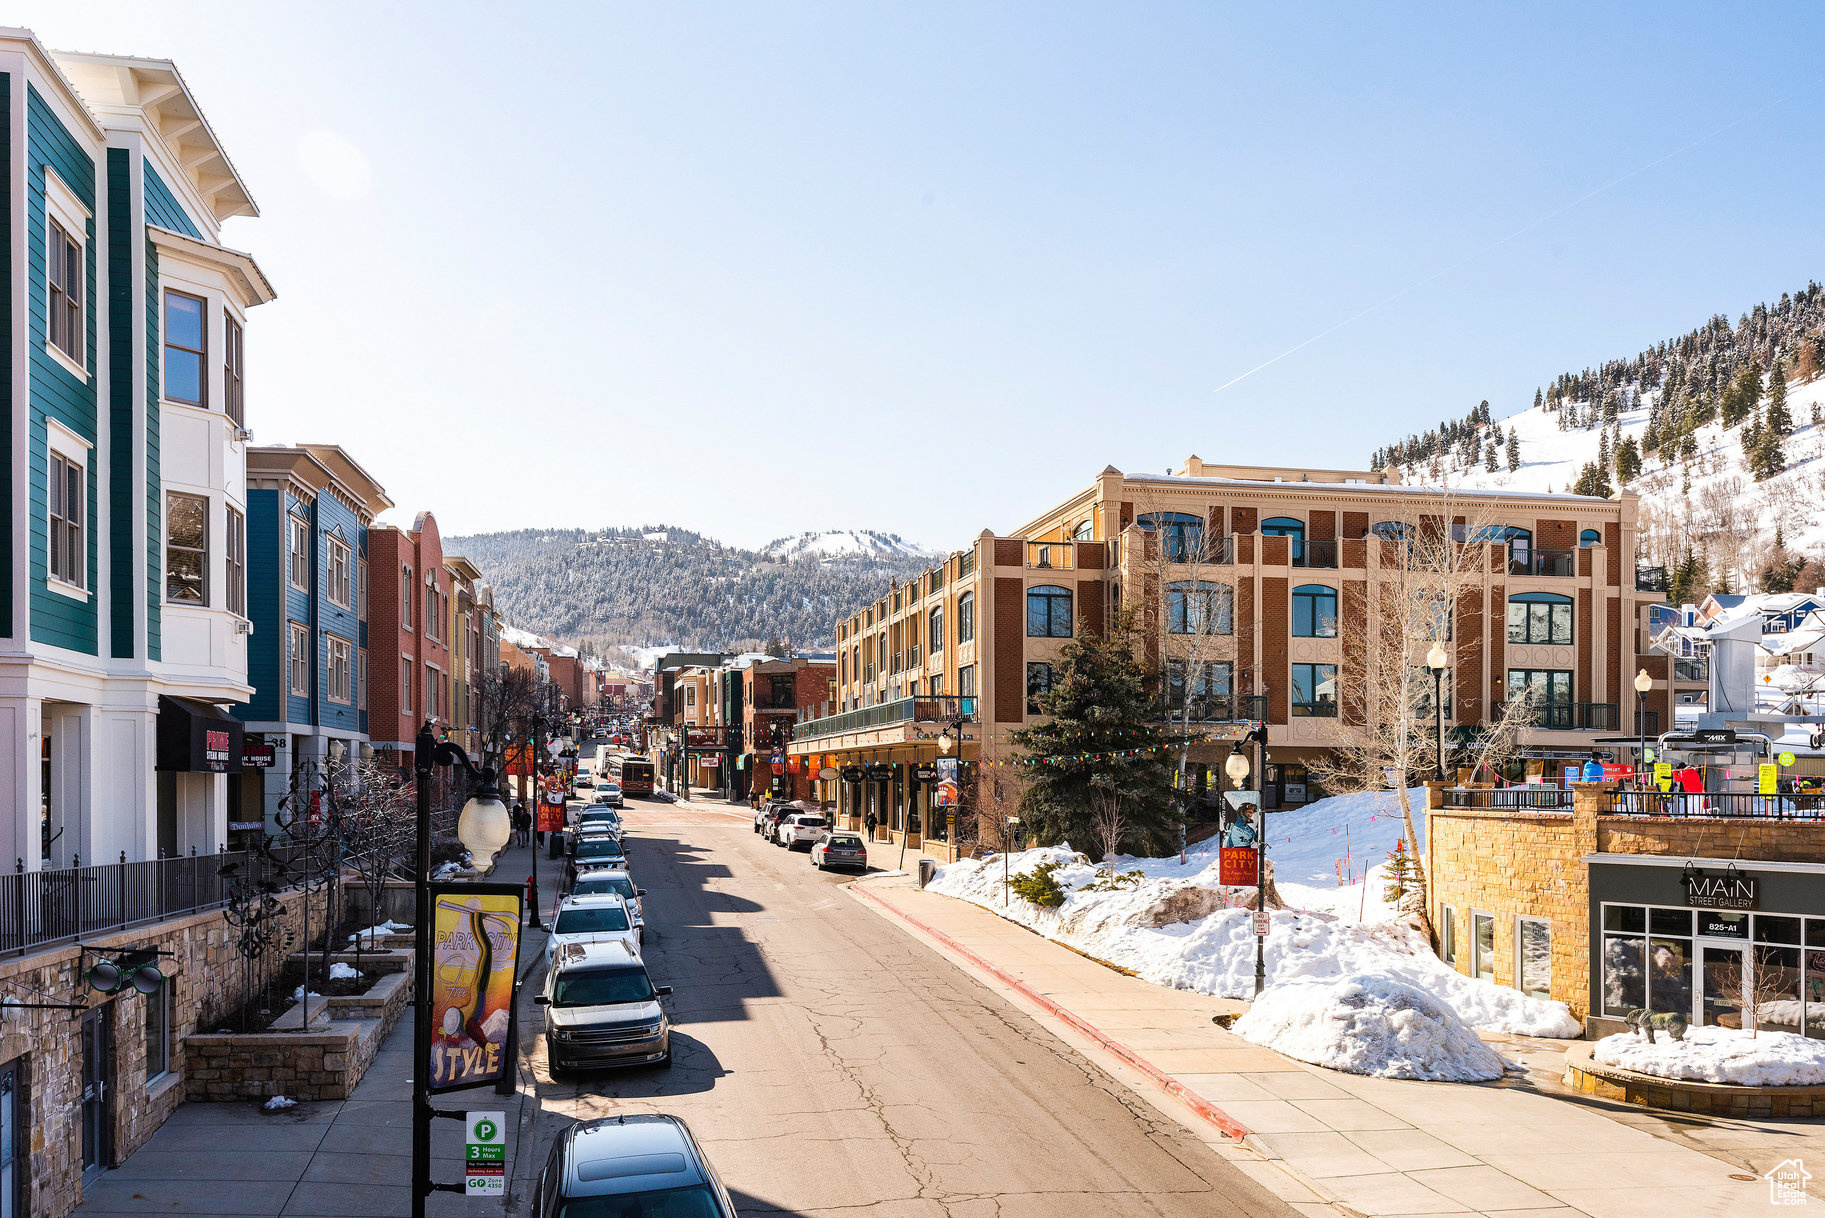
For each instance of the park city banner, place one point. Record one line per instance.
(475, 948)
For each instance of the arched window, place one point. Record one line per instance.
(1314, 612)
(937, 630)
(966, 618)
(1539, 617)
(1286, 526)
(1084, 531)
(1391, 530)
(1181, 534)
(1589, 538)
(1048, 612)
(1200, 607)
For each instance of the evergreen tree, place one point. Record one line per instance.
(1628, 461)
(1767, 458)
(1740, 398)
(1593, 479)
(1514, 447)
(1104, 719)
(1402, 877)
(1490, 463)
(1779, 419)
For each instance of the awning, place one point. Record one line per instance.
(197, 737)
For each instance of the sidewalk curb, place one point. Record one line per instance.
(1222, 1121)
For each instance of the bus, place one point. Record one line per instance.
(636, 777)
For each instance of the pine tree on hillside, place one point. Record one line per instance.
(1514, 447)
(1104, 720)
(1490, 463)
(1688, 579)
(1742, 394)
(1763, 451)
(1593, 479)
(1628, 461)
(1779, 419)
(1538, 399)
(1603, 450)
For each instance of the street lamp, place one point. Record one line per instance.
(483, 828)
(1438, 661)
(1643, 683)
(1237, 768)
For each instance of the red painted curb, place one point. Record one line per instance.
(1228, 1125)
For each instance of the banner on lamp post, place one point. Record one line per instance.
(475, 942)
(1236, 866)
(944, 794)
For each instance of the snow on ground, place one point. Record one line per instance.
(342, 972)
(1213, 951)
(1369, 1025)
(1719, 1055)
(843, 543)
(386, 928)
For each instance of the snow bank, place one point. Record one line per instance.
(1369, 1025)
(386, 928)
(1130, 924)
(1719, 1055)
(342, 972)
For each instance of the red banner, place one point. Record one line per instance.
(1236, 866)
(516, 759)
(551, 819)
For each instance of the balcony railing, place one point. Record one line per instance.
(1051, 555)
(1318, 554)
(1650, 579)
(1647, 724)
(1570, 716)
(923, 709)
(1542, 562)
(1220, 708)
(1538, 798)
(1729, 804)
(40, 909)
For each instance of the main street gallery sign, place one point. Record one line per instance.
(1728, 890)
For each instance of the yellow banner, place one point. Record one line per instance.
(1767, 778)
(474, 951)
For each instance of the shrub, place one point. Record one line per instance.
(1039, 887)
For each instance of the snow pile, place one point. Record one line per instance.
(843, 543)
(1719, 1055)
(342, 972)
(389, 927)
(279, 1103)
(1369, 1025)
(1133, 924)
(297, 995)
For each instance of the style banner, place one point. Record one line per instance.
(475, 948)
(944, 795)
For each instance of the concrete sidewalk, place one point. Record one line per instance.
(1376, 1146)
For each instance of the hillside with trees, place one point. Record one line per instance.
(657, 585)
(1720, 431)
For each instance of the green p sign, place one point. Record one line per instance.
(485, 1154)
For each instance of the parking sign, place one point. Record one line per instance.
(485, 1155)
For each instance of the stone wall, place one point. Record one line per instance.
(204, 977)
(320, 1065)
(1512, 863)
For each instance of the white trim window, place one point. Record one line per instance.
(300, 659)
(405, 684)
(405, 595)
(1482, 945)
(66, 501)
(158, 1032)
(186, 349)
(361, 589)
(66, 275)
(186, 548)
(340, 590)
(234, 342)
(341, 671)
(299, 553)
(361, 679)
(1447, 934)
(234, 550)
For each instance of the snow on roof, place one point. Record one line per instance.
(1415, 490)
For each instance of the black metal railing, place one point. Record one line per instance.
(1542, 562)
(1648, 723)
(1727, 804)
(1318, 554)
(1570, 716)
(931, 708)
(1650, 579)
(1539, 798)
(1219, 708)
(40, 909)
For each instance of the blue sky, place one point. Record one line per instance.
(758, 268)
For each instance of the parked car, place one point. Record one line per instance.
(801, 830)
(595, 851)
(615, 880)
(777, 811)
(767, 814)
(839, 850)
(599, 814)
(601, 1009)
(639, 1164)
(600, 917)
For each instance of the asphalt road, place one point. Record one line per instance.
(830, 1064)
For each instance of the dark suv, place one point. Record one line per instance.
(601, 1009)
(634, 1166)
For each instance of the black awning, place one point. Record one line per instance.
(197, 738)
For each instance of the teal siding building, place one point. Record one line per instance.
(125, 623)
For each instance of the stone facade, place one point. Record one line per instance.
(322, 1065)
(205, 975)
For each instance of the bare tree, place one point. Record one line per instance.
(997, 797)
(1108, 817)
(380, 829)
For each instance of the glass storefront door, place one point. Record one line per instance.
(1724, 969)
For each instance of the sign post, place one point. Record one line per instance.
(485, 1155)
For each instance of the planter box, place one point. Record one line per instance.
(325, 1063)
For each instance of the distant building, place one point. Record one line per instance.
(409, 633)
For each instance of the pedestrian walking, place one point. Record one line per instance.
(869, 821)
(522, 824)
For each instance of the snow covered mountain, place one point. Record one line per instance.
(843, 543)
(1721, 433)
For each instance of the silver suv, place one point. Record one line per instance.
(641, 1165)
(601, 1009)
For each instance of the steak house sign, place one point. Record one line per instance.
(1726, 891)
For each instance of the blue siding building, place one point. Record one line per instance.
(308, 513)
(124, 629)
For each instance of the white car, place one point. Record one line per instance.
(598, 917)
(609, 793)
(801, 831)
(615, 880)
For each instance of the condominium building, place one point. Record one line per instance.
(1279, 565)
(309, 512)
(409, 636)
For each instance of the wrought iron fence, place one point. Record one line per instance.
(925, 709)
(1727, 804)
(56, 905)
(1537, 798)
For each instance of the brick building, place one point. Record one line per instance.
(408, 635)
(771, 698)
(1283, 563)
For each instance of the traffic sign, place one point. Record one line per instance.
(1260, 920)
(485, 1154)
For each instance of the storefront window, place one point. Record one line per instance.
(1483, 947)
(1535, 957)
(1815, 977)
(1670, 975)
